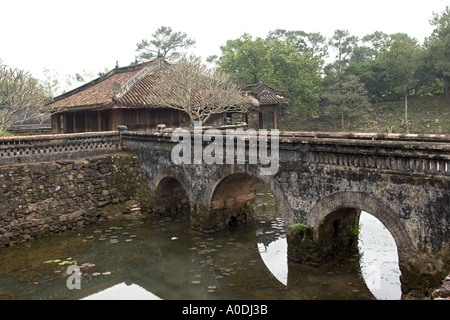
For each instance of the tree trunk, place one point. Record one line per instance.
(406, 110)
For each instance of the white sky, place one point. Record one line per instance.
(72, 36)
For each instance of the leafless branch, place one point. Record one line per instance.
(191, 87)
(21, 98)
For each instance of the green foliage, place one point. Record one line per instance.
(300, 228)
(164, 43)
(348, 96)
(275, 62)
(438, 48)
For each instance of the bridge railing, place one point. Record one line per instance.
(407, 153)
(404, 153)
(57, 147)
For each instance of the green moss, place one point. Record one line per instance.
(299, 227)
(302, 230)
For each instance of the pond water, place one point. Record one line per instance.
(160, 257)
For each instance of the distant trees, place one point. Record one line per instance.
(378, 67)
(438, 47)
(165, 43)
(401, 62)
(284, 59)
(21, 97)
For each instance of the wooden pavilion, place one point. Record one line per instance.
(119, 98)
(268, 100)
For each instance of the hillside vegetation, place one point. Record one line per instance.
(428, 114)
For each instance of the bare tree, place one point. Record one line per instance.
(21, 98)
(201, 92)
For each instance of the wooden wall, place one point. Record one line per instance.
(134, 119)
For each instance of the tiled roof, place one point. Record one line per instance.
(266, 94)
(119, 86)
(135, 97)
(128, 87)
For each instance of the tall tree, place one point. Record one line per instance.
(276, 62)
(348, 95)
(401, 61)
(438, 46)
(313, 43)
(21, 98)
(245, 60)
(378, 42)
(344, 44)
(164, 43)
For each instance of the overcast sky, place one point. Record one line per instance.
(91, 35)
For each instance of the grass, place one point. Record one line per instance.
(6, 134)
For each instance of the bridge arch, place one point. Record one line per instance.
(239, 183)
(171, 190)
(359, 201)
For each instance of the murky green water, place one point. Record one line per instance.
(162, 258)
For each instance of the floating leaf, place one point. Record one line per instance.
(48, 261)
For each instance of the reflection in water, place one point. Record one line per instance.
(379, 260)
(162, 258)
(122, 291)
(274, 254)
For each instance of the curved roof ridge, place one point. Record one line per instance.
(152, 67)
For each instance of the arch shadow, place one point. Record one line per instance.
(363, 202)
(171, 189)
(243, 178)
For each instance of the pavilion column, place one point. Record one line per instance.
(74, 118)
(261, 122)
(274, 118)
(99, 121)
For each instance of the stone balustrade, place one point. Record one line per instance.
(57, 147)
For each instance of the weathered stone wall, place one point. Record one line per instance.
(38, 199)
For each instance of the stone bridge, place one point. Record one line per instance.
(323, 182)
